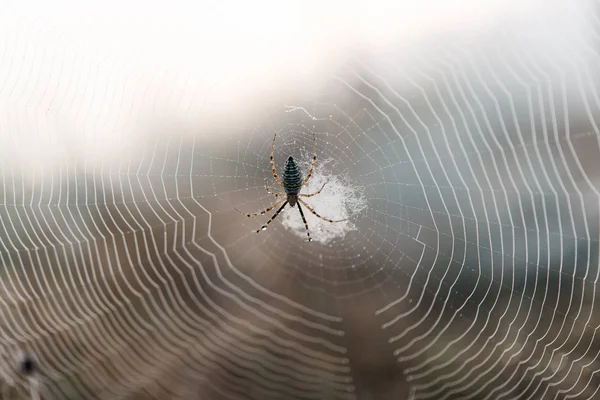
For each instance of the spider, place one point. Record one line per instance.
(292, 183)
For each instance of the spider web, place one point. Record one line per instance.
(466, 167)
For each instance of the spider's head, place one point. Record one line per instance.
(290, 159)
(292, 199)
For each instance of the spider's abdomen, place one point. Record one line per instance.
(292, 178)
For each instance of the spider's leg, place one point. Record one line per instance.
(272, 160)
(313, 194)
(314, 212)
(262, 212)
(314, 160)
(305, 224)
(273, 193)
(262, 228)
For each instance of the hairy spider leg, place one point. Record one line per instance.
(262, 212)
(313, 194)
(273, 193)
(305, 223)
(262, 228)
(272, 160)
(315, 213)
(314, 160)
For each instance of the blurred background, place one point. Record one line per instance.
(458, 137)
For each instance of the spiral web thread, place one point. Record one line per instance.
(469, 263)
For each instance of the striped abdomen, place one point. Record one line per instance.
(292, 178)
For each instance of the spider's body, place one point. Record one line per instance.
(292, 184)
(292, 180)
